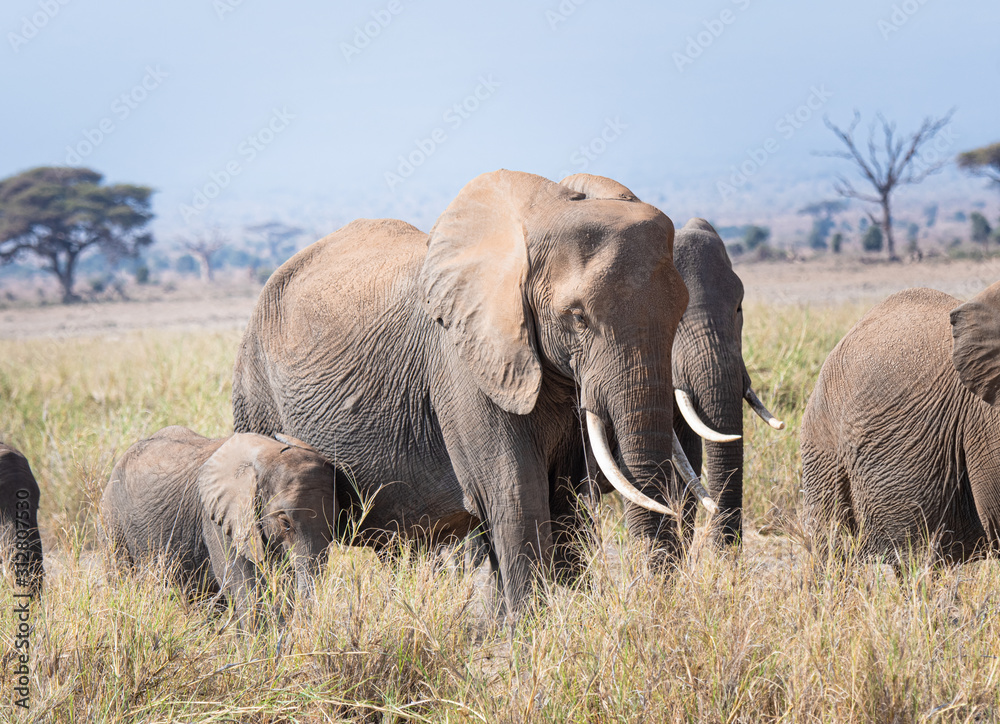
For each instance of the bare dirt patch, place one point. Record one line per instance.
(196, 306)
(194, 310)
(847, 280)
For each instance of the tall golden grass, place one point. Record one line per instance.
(774, 634)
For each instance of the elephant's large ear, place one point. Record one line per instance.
(975, 327)
(598, 187)
(474, 279)
(228, 483)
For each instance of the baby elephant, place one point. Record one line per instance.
(20, 543)
(217, 509)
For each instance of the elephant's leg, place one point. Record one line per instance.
(517, 516)
(573, 527)
(495, 604)
(523, 547)
(826, 487)
(475, 549)
(979, 508)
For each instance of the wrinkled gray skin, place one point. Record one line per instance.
(215, 510)
(708, 365)
(443, 372)
(20, 542)
(901, 437)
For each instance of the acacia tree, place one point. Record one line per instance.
(890, 162)
(277, 238)
(205, 245)
(57, 213)
(983, 161)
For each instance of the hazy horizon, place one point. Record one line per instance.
(317, 115)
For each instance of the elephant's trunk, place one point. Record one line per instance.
(602, 451)
(306, 571)
(709, 369)
(721, 405)
(642, 424)
(724, 472)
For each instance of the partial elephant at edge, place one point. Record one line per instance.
(20, 539)
(901, 436)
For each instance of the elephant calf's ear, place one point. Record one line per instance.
(295, 442)
(975, 328)
(227, 484)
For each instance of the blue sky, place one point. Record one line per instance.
(314, 104)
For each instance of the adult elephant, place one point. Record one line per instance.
(710, 377)
(20, 541)
(444, 372)
(899, 439)
(217, 510)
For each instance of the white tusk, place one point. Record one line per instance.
(599, 441)
(757, 406)
(686, 406)
(691, 478)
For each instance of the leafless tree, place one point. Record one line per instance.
(204, 245)
(891, 161)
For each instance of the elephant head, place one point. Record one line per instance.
(272, 496)
(545, 286)
(710, 376)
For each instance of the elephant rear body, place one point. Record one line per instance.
(314, 365)
(20, 540)
(895, 449)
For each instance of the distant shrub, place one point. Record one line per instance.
(765, 252)
(872, 240)
(755, 236)
(142, 274)
(186, 264)
(980, 228)
(836, 243)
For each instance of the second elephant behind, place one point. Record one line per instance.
(710, 376)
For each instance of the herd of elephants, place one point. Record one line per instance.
(545, 343)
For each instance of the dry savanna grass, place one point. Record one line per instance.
(775, 634)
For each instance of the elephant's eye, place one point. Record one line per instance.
(578, 318)
(284, 522)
